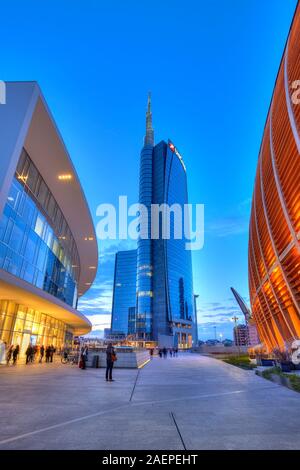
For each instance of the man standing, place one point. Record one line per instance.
(84, 356)
(15, 354)
(52, 351)
(110, 359)
(42, 352)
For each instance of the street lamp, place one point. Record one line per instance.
(196, 318)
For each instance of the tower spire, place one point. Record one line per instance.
(149, 137)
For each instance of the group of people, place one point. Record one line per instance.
(12, 354)
(32, 352)
(173, 352)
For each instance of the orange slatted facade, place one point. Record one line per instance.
(274, 233)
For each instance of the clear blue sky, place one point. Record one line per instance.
(211, 67)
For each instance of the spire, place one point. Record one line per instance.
(149, 137)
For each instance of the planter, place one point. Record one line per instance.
(267, 362)
(277, 379)
(281, 380)
(286, 366)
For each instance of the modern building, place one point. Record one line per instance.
(165, 303)
(253, 338)
(48, 248)
(241, 335)
(124, 292)
(131, 321)
(274, 234)
(107, 333)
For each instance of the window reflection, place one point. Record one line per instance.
(29, 247)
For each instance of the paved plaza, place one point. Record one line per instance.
(189, 402)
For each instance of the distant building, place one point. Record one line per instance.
(107, 332)
(241, 335)
(252, 333)
(124, 293)
(165, 303)
(131, 321)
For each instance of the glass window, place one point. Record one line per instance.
(28, 273)
(39, 225)
(42, 194)
(30, 247)
(32, 177)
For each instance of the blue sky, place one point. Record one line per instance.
(211, 67)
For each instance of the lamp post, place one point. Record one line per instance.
(196, 319)
(235, 320)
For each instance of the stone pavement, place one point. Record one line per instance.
(189, 402)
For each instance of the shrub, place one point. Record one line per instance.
(294, 381)
(240, 361)
(267, 374)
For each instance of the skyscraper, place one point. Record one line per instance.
(124, 293)
(165, 304)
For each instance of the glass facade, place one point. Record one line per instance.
(165, 302)
(164, 283)
(23, 325)
(144, 305)
(35, 241)
(124, 293)
(173, 300)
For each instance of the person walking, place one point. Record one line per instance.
(47, 353)
(42, 352)
(29, 353)
(165, 353)
(111, 357)
(16, 352)
(151, 353)
(35, 352)
(9, 354)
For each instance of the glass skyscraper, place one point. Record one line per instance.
(165, 303)
(124, 294)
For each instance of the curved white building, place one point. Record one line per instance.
(48, 247)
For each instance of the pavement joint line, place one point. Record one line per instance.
(100, 413)
(135, 382)
(178, 430)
